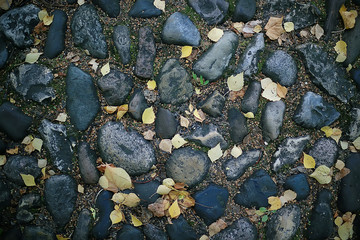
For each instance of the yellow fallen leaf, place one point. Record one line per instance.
(281, 91)
(322, 174)
(80, 188)
(317, 30)
(163, 190)
(61, 117)
(151, 85)
(116, 216)
(249, 115)
(357, 143)
(348, 68)
(135, 221)
(110, 109)
(339, 164)
(309, 161)
(184, 122)
(265, 82)
(215, 34)
(149, 135)
(348, 17)
(199, 115)
(215, 153)
(148, 116)
(43, 171)
(288, 196)
(340, 49)
(274, 28)
(81, 2)
(344, 145)
(37, 41)
(118, 176)
(165, 145)
(48, 20)
(131, 200)
(289, 26)
(169, 182)
(275, 203)
(239, 26)
(28, 179)
(236, 151)
(338, 221)
(346, 231)
(43, 13)
(118, 198)
(197, 91)
(174, 209)
(204, 237)
(327, 130)
(178, 141)
(37, 144)
(160, 5)
(336, 135)
(121, 111)
(257, 28)
(186, 51)
(2, 160)
(270, 92)
(105, 69)
(236, 82)
(27, 140)
(60, 237)
(32, 57)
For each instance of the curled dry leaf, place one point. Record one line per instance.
(274, 28)
(105, 184)
(238, 26)
(281, 91)
(236, 82)
(249, 26)
(116, 216)
(121, 110)
(215, 153)
(135, 221)
(166, 145)
(48, 20)
(343, 172)
(322, 174)
(216, 227)
(94, 64)
(159, 207)
(110, 109)
(148, 116)
(215, 34)
(235, 94)
(12, 151)
(317, 30)
(186, 51)
(348, 17)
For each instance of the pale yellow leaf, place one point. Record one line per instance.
(249, 115)
(281, 91)
(275, 203)
(204, 237)
(149, 135)
(345, 231)
(215, 153)
(37, 144)
(160, 5)
(309, 161)
(236, 151)
(236, 82)
(265, 82)
(327, 130)
(43, 13)
(60, 237)
(336, 135)
(338, 221)
(27, 140)
(168, 182)
(163, 190)
(110, 109)
(80, 188)
(322, 174)
(2, 160)
(103, 182)
(317, 30)
(257, 28)
(248, 28)
(151, 85)
(131, 200)
(118, 198)
(348, 68)
(5, 4)
(184, 122)
(288, 196)
(239, 26)
(199, 115)
(116, 216)
(215, 34)
(191, 107)
(340, 58)
(37, 41)
(216, 227)
(81, 2)
(48, 20)
(119, 177)
(32, 57)
(178, 141)
(348, 17)
(94, 64)
(339, 164)
(344, 145)
(43, 171)
(121, 111)
(186, 51)
(274, 28)
(197, 91)
(289, 26)
(166, 145)
(135, 221)
(304, 33)
(270, 92)
(61, 117)
(357, 143)
(28, 179)
(148, 116)
(105, 69)
(174, 209)
(340, 49)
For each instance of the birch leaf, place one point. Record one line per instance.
(275, 203)
(317, 30)
(289, 26)
(165, 145)
(28, 179)
(236, 151)
(322, 174)
(274, 28)
(5, 4)
(43, 13)
(2, 160)
(236, 82)
(149, 135)
(61, 117)
(116, 216)
(135, 221)
(186, 51)
(216, 227)
(281, 91)
(148, 116)
(151, 85)
(169, 182)
(199, 115)
(174, 209)
(327, 130)
(160, 5)
(110, 109)
(163, 190)
(177, 141)
(118, 198)
(118, 176)
(121, 111)
(340, 49)
(270, 92)
(105, 69)
(215, 34)
(309, 161)
(37, 144)
(48, 20)
(348, 17)
(184, 122)
(32, 57)
(131, 200)
(249, 115)
(215, 153)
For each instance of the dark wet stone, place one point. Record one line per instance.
(237, 125)
(5, 195)
(87, 31)
(38, 233)
(236, 167)
(240, 229)
(129, 232)
(144, 9)
(213, 63)
(351, 37)
(2, 147)
(13, 234)
(71, 1)
(144, 66)
(354, 128)
(121, 38)
(213, 104)
(349, 194)
(87, 164)
(302, 15)
(284, 223)
(281, 68)
(55, 41)
(31, 81)
(180, 230)
(58, 145)
(321, 219)
(153, 233)
(272, 119)
(105, 206)
(24, 216)
(137, 104)
(17, 24)
(289, 151)
(325, 151)
(207, 135)
(125, 148)
(244, 10)
(299, 184)
(4, 53)
(355, 75)
(188, 166)
(115, 87)
(82, 102)
(250, 102)
(332, 15)
(326, 74)
(180, 30)
(147, 192)
(274, 7)
(110, 7)
(83, 226)
(17, 164)
(13, 121)
(357, 2)
(165, 124)
(27, 202)
(314, 112)
(213, 12)
(174, 83)
(60, 189)
(210, 203)
(256, 189)
(248, 62)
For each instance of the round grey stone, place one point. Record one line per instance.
(325, 151)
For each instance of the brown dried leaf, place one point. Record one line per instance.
(343, 172)
(159, 207)
(233, 95)
(216, 227)
(281, 91)
(149, 135)
(274, 28)
(13, 151)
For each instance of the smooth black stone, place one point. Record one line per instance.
(110, 7)
(13, 234)
(17, 165)
(272, 119)
(355, 75)
(299, 184)
(13, 121)
(321, 219)
(2, 147)
(237, 125)
(82, 102)
(213, 104)
(188, 166)
(30, 200)
(55, 41)
(244, 10)
(38, 233)
(4, 53)
(275, 7)
(236, 167)
(207, 135)
(147, 192)
(302, 15)
(128, 232)
(87, 164)
(240, 229)
(83, 226)
(17, 25)
(349, 194)
(153, 233)
(314, 112)
(357, 2)
(5, 195)
(144, 9)
(325, 151)
(351, 37)
(71, 1)
(250, 102)
(165, 124)
(174, 83)
(180, 30)
(121, 38)
(105, 206)
(210, 203)
(115, 87)
(87, 31)
(180, 230)
(212, 11)
(58, 145)
(144, 66)
(137, 104)
(332, 15)
(256, 189)
(354, 128)
(289, 151)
